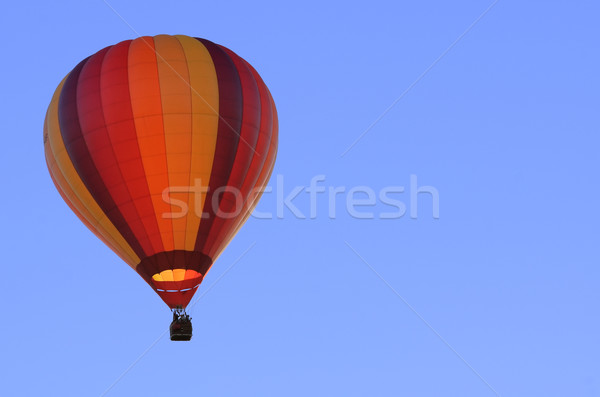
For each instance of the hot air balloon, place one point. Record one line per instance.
(162, 146)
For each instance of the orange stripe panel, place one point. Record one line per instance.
(176, 99)
(148, 117)
(120, 130)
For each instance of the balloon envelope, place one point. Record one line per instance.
(161, 146)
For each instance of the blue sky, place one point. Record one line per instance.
(499, 296)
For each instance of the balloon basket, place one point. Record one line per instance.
(181, 327)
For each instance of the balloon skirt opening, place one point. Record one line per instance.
(177, 293)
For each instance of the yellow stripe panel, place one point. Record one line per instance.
(173, 275)
(205, 121)
(176, 102)
(67, 195)
(178, 274)
(81, 198)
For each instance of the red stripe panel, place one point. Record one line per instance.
(228, 131)
(251, 123)
(94, 127)
(126, 178)
(257, 164)
(77, 146)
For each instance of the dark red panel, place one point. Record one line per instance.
(77, 148)
(177, 259)
(246, 150)
(258, 160)
(228, 132)
(95, 130)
